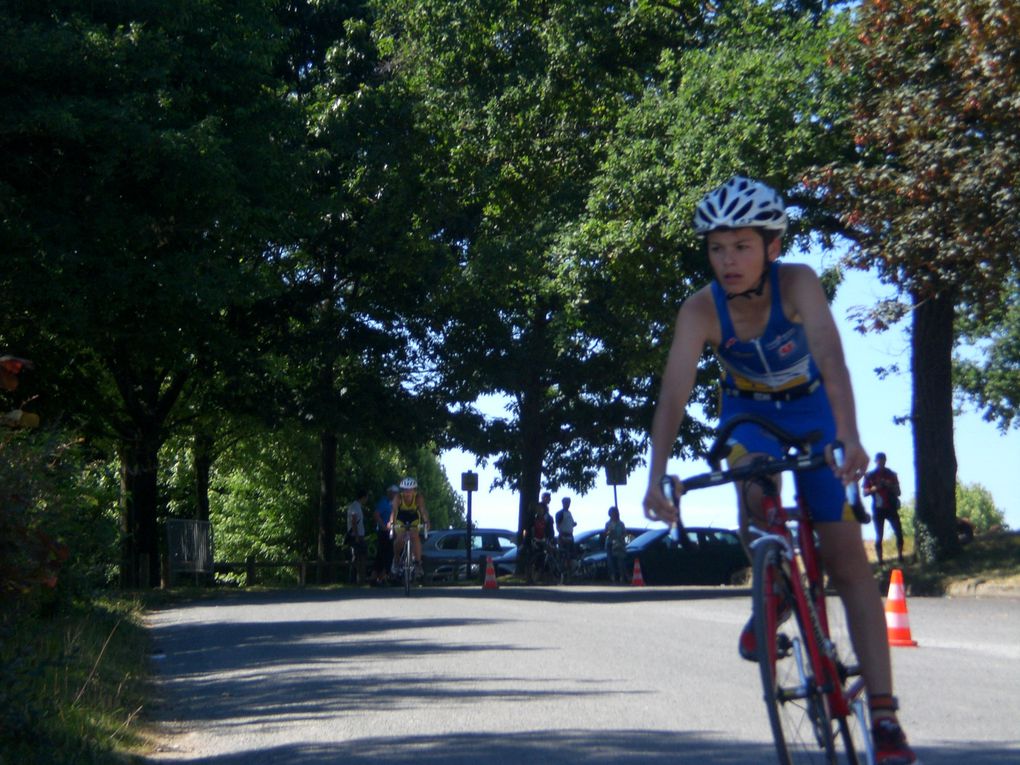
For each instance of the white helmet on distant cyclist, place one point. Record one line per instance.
(740, 203)
(408, 484)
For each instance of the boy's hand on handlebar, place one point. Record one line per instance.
(854, 464)
(658, 507)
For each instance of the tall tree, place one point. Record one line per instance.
(520, 97)
(931, 197)
(147, 174)
(752, 95)
(365, 262)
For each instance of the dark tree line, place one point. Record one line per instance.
(349, 220)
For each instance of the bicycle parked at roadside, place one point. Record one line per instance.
(813, 687)
(547, 562)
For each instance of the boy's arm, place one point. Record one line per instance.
(812, 309)
(690, 333)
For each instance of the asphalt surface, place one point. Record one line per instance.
(537, 675)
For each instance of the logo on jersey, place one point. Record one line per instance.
(787, 348)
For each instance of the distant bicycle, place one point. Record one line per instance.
(404, 563)
(548, 563)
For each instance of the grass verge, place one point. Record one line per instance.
(73, 684)
(989, 564)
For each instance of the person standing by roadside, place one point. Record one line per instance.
(356, 533)
(883, 486)
(538, 533)
(616, 547)
(565, 526)
(383, 543)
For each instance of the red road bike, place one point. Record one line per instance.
(812, 684)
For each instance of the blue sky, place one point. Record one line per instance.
(984, 455)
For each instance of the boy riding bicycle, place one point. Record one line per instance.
(773, 333)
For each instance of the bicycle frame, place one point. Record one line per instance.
(789, 533)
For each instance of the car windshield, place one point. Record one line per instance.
(649, 536)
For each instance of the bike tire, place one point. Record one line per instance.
(802, 727)
(853, 735)
(408, 567)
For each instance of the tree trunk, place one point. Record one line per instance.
(532, 454)
(139, 495)
(202, 450)
(327, 502)
(932, 419)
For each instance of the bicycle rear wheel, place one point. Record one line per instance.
(802, 726)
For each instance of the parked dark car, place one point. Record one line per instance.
(444, 553)
(592, 565)
(586, 542)
(712, 556)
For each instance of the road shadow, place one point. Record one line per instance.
(554, 747)
(549, 594)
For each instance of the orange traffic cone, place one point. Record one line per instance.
(896, 620)
(490, 575)
(636, 579)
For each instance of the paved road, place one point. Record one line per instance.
(540, 675)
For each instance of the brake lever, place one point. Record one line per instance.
(676, 529)
(853, 492)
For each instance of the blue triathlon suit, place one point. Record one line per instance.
(774, 377)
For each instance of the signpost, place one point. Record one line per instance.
(468, 483)
(616, 475)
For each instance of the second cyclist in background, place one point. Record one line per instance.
(408, 517)
(771, 329)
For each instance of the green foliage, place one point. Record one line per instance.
(930, 196)
(263, 497)
(71, 684)
(975, 503)
(58, 527)
(755, 98)
(992, 380)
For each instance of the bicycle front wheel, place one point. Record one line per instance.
(408, 566)
(802, 726)
(854, 733)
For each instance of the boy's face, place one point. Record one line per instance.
(737, 257)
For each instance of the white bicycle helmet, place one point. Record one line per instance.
(408, 484)
(740, 203)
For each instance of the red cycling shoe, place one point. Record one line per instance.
(891, 747)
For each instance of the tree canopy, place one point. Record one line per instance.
(930, 193)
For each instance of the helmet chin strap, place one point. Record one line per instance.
(755, 291)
